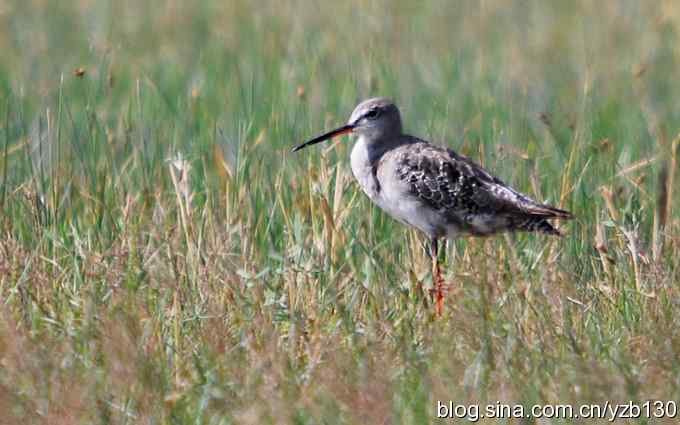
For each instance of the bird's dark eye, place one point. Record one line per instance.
(372, 114)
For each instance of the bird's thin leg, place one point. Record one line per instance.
(437, 280)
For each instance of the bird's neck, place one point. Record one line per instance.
(364, 161)
(372, 149)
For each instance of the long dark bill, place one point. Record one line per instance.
(337, 132)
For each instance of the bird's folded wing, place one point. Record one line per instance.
(447, 181)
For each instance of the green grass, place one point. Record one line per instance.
(244, 284)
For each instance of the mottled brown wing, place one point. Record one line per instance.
(454, 183)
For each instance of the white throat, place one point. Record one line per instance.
(363, 161)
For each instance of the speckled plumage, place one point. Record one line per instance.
(432, 188)
(465, 194)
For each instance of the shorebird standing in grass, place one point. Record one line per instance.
(434, 189)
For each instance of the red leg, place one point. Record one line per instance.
(437, 280)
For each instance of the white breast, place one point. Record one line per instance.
(392, 195)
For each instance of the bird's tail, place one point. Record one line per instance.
(548, 211)
(537, 224)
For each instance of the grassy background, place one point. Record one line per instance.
(164, 259)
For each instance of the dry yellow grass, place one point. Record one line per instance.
(163, 259)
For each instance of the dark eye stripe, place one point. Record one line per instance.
(373, 113)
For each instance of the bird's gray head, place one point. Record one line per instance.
(376, 119)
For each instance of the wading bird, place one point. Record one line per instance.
(434, 189)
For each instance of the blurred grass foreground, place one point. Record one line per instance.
(164, 259)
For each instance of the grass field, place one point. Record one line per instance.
(165, 259)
